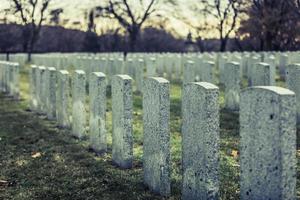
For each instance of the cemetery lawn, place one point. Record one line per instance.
(40, 161)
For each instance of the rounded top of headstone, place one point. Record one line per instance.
(123, 76)
(273, 89)
(42, 67)
(63, 72)
(233, 63)
(205, 85)
(51, 69)
(209, 62)
(263, 64)
(190, 62)
(99, 74)
(295, 65)
(159, 79)
(79, 72)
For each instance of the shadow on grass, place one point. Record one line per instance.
(40, 161)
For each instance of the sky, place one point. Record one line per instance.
(75, 9)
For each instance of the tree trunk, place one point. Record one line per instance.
(268, 41)
(29, 51)
(223, 44)
(7, 56)
(133, 37)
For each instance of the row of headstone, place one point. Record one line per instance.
(268, 135)
(9, 78)
(208, 67)
(267, 129)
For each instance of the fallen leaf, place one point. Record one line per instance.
(36, 155)
(234, 153)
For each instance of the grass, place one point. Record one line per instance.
(41, 161)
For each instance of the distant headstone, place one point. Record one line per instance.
(293, 83)
(33, 87)
(208, 72)
(232, 81)
(262, 75)
(189, 72)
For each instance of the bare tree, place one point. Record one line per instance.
(226, 13)
(131, 16)
(272, 24)
(55, 16)
(31, 14)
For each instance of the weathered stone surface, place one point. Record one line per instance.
(2, 76)
(151, 67)
(232, 81)
(16, 77)
(189, 72)
(51, 91)
(283, 62)
(78, 105)
(156, 158)
(122, 108)
(41, 89)
(293, 83)
(252, 62)
(221, 64)
(261, 75)
(33, 87)
(97, 92)
(200, 141)
(139, 75)
(208, 72)
(63, 99)
(10, 79)
(268, 143)
(272, 62)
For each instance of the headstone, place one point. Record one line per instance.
(293, 83)
(151, 67)
(33, 88)
(51, 89)
(122, 108)
(200, 141)
(156, 157)
(283, 62)
(232, 81)
(139, 75)
(268, 143)
(97, 92)
(189, 72)
(271, 61)
(79, 103)
(251, 68)
(16, 77)
(63, 99)
(42, 90)
(208, 72)
(261, 75)
(222, 62)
